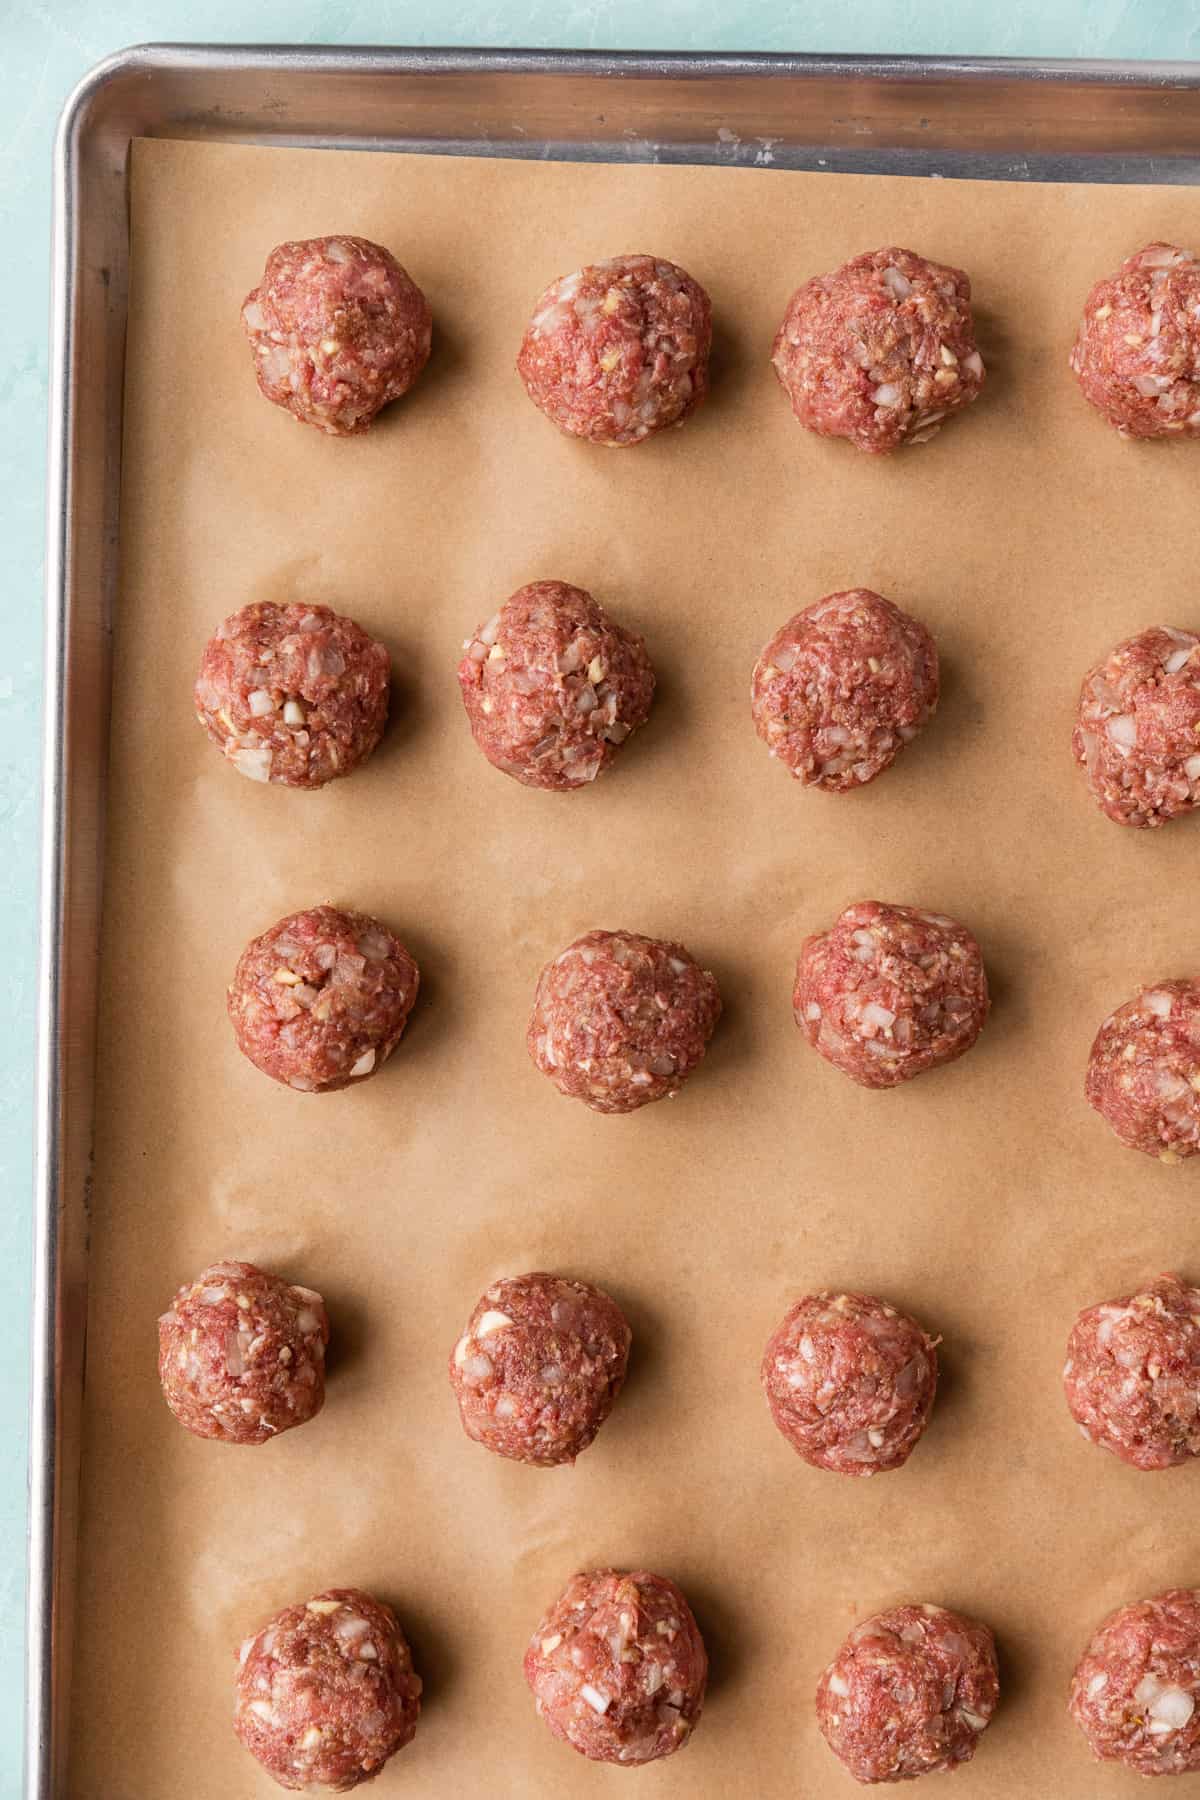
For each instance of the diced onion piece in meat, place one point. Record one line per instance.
(374, 946)
(1171, 1710)
(253, 761)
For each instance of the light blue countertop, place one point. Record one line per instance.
(45, 47)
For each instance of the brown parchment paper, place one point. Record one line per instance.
(986, 1197)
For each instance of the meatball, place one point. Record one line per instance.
(842, 687)
(326, 1692)
(322, 999)
(620, 1019)
(539, 1367)
(1143, 1074)
(1134, 1690)
(294, 694)
(553, 686)
(1138, 732)
(241, 1354)
(338, 330)
(618, 1667)
(880, 351)
(908, 1694)
(890, 991)
(850, 1382)
(618, 350)
(1132, 1376)
(1137, 354)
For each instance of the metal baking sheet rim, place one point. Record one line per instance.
(177, 89)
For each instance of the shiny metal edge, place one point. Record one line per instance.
(328, 59)
(63, 1116)
(1153, 111)
(47, 1475)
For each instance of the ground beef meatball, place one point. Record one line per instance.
(294, 694)
(908, 1694)
(1137, 355)
(619, 350)
(1143, 1074)
(322, 999)
(890, 991)
(842, 687)
(1138, 732)
(326, 1692)
(1134, 1691)
(620, 1019)
(618, 1667)
(241, 1354)
(1132, 1375)
(850, 1382)
(338, 330)
(880, 351)
(553, 686)
(539, 1367)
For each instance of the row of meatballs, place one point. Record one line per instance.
(320, 1001)
(880, 351)
(553, 686)
(326, 1690)
(849, 1379)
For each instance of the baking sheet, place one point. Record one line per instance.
(986, 1198)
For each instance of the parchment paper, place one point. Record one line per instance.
(987, 1198)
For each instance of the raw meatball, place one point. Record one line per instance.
(850, 1382)
(294, 694)
(338, 330)
(552, 686)
(619, 350)
(880, 351)
(842, 687)
(1132, 1376)
(322, 999)
(908, 1694)
(326, 1692)
(618, 1667)
(620, 1019)
(1133, 1693)
(889, 991)
(241, 1354)
(1137, 355)
(538, 1368)
(1138, 735)
(1144, 1071)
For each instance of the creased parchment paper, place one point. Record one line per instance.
(985, 1197)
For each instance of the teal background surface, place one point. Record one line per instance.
(45, 48)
